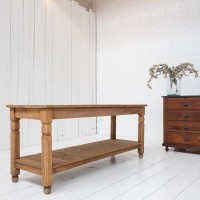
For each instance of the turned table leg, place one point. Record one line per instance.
(14, 145)
(46, 119)
(113, 128)
(141, 135)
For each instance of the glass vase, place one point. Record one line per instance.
(173, 86)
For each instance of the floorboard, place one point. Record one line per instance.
(159, 175)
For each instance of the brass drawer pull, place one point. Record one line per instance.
(186, 104)
(186, 138)
(186, 116)
(186, 128)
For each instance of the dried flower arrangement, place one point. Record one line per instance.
(183, 69)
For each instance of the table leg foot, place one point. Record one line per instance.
(47, 190)
(15, 179)
(140, 155)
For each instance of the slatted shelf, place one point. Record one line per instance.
(78, 155)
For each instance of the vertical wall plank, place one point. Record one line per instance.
(22, 73)
(23, 96)
(32, 50)
(49, 51)
(92, 66)
(75, 67)
(40, 51)
(20, 50)
(14, 52)
(49, 59)
(31, 62)
(5, 56)
(84, 67)
(67, 68)
(57, 57)
(39, 75)
(57, 51)
(32, 125)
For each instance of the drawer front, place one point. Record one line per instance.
(184, 126)
(182, 138)
(183, 103)
(183, 115)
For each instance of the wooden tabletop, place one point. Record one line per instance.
(79, 106)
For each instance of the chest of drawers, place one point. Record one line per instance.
(181, 116)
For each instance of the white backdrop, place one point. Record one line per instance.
(47, 56)
(132, 35)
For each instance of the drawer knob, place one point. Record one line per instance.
(186, 104)
(186, 128)
(186, 138)
(186, 116)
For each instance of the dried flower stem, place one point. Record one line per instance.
(183, 69)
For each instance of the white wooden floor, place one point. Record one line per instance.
(160, 175)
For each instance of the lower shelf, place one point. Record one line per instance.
(78, 155)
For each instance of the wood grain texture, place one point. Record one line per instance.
(46, 156)
(78, 155)
(47, 162)
(79, 106)
(113, 127)
(184, 103)
(74, 111)
(141, 133)
(14, 143)
(184, 115)
(182, 126)
(184, 138)
(106, 178)
(181, 122)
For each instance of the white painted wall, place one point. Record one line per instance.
(47, 56)
(132, 35)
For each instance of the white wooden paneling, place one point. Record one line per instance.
(49, 54)
(67, 125)
(84, 66)
(39, 75)
(49, 51)
(47, 59)
(57, 58)
(14, 57)
(22, 73)
(4, 71)
(75, 67)
(92, 52)
(39, 55)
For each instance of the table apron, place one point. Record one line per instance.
(63, 113)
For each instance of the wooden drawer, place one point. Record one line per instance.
(183, 103)
(183, 138)
(183, 115)
(184, 126)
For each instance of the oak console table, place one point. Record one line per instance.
(50, 162)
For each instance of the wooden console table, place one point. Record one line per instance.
(50, 162)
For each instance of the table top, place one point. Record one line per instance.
(80, 106)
